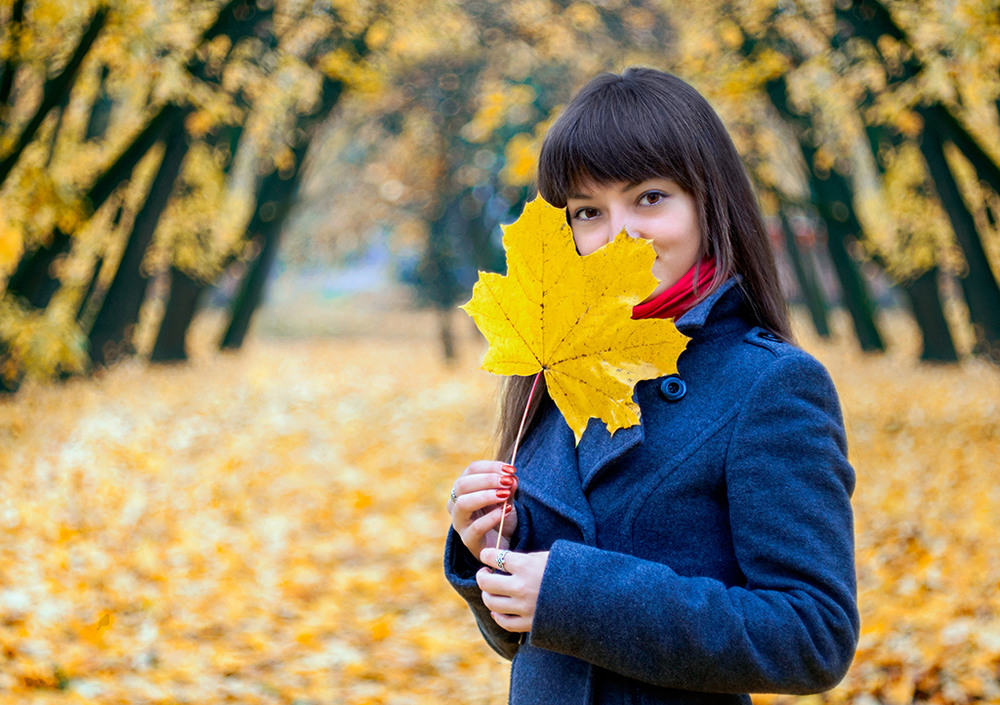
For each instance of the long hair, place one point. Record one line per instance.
(646, 124)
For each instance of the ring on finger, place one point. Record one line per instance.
(500, 559)
(454, 497)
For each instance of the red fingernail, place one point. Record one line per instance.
(503, 494)
(506, 480)
(509, 469)
(508, 508)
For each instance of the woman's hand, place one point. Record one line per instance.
(511, 596)
(481, 491)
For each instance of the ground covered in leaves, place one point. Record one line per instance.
(267, 527)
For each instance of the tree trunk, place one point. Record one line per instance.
(922, 292)
(939, 117)
(436, 273)
(182, 304)
(251, 294)
(979, 284)
(447, 334)
(120, 308)
(266, 224)
(275, 198)
(925, 300)
(834, 203)
(812, 296)
(855, 292)
(871, 19)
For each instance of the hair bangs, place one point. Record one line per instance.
(611, 133)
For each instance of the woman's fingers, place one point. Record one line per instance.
(478, 500)
(491, 519)
(492, 478)
(476, 535)
(507, 561)
(510, 606)
(511, 595)
(512, 622)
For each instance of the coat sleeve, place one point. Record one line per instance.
(793, 625)
(460, 568)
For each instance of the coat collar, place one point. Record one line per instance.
(722, 302)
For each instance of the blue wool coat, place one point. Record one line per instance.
(704, 554)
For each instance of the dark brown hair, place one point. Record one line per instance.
(646, 124)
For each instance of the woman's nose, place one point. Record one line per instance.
(619, 224)
(630, 229)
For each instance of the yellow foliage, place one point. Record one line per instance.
(11, 245)
(521, 155)
(570, 317)
(520, 159)
(501, 103)
(904, 226)
(39, 345)
(731, 34)
(909, 123)
(358, 74)
(583, 16)
(162, 546)
(199, 548)
(377, 35)
(191, 233)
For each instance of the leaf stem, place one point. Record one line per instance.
(513, 455)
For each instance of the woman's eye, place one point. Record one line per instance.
(586, 214)
(651, 198)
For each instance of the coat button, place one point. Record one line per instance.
(673, 388)
(768, 335)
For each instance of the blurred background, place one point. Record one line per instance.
(313, 187)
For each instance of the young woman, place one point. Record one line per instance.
(708, 552)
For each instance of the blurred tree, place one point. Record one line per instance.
(276, 196)
(805, 274)
(168, 142)
(905, 76)
(771, 56)
(164, 197)
(466, 110)
(54, 92)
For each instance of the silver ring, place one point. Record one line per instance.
(500, 559)
(454, 497)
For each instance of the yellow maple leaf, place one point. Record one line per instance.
(570, 317)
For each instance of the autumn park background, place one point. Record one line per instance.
(235, 388)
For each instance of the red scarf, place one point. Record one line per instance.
(681, 296)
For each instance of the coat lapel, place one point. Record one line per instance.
(547, 471)
(557, 472)
(598, 449)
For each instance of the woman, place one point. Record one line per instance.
(708, 552)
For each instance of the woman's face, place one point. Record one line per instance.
(655, 209)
